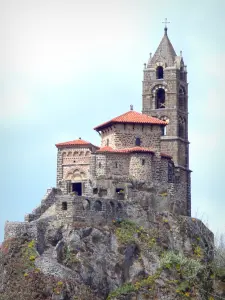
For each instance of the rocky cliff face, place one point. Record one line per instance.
(161, 256)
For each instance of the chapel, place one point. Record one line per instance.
(141, 153)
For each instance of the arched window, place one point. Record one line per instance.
(138, 142)
(112, 206)
(98, 205)
(86, 204)
(160, 98)
(159, 72)
(182, 104)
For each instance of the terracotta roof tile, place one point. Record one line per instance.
(125, 150)
(74, 143)
(132, 117)
(131, 150)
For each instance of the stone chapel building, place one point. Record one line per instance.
(141, 154)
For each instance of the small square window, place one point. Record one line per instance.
(138, 142)
(95, 191)
(64, 205)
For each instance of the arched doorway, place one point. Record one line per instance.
(77, 179)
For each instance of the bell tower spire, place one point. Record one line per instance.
(165, 96)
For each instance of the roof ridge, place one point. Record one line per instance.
(126, 113)
(132, 117)
(77, 142)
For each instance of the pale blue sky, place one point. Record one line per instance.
(67, 66)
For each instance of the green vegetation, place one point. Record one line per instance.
(69, 257)
(129, 232)
(188, 267)
(124, 289)
(26, 282)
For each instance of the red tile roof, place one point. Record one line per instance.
(132, 117)
(130, 150)
(125, 150)
(78, 142)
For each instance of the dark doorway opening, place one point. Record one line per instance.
(77, 188)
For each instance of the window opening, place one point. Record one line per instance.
(181, 98)
(112, 205)
(95, 191)
(159, 72)
(120, 193)
(163, 129)
(64, 205)
(77, 188)
(138, 142)
(98, 205)
(143, 162)
(160, 98)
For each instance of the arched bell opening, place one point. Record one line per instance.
(160, 98)
(159, 72)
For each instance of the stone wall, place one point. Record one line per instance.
(124, 136)
(19, 229)
(139, 171)
(89, 210)
(73, 164)
(46, 202)
(141, 166)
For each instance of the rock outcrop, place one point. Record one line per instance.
(157, 256)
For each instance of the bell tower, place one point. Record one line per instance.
(165, 96)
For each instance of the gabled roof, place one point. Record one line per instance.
(78, 142)
(165, 53)
(132, 117)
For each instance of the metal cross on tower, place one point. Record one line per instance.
(165, 22)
